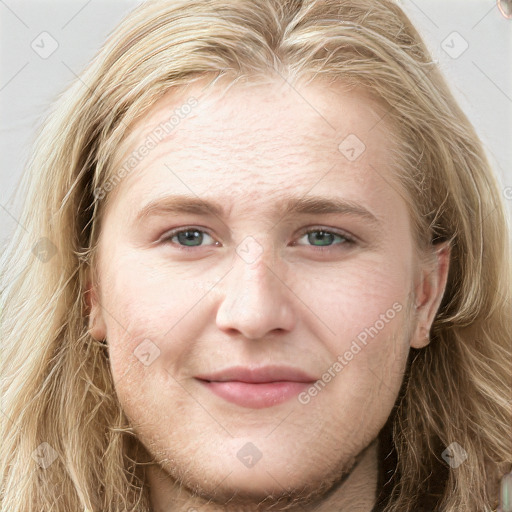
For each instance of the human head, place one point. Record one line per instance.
(444, 177)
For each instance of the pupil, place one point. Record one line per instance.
(188, 236)
(318, 236)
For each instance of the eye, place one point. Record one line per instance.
(189, 237)
(323, 238)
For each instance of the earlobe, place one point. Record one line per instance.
(97, 327)
(429, 294)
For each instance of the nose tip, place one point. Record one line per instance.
(255, 299)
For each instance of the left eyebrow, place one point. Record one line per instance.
(291, 205)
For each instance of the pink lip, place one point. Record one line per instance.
(257, 388)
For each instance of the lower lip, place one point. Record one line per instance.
(256, 395)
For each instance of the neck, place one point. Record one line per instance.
(356, 491)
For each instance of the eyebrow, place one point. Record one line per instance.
(291, 205)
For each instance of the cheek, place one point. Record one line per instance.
(354, 297)
(149, 310)
(364, 324)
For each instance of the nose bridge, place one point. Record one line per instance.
(256, 272)
(255, 300)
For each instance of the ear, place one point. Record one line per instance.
(429, 291)
(97, 327)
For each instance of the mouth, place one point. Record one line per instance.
(257, 388)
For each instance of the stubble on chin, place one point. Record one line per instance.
(186, 492)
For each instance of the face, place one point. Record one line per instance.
(257, 283)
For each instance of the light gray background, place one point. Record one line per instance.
(480, 77)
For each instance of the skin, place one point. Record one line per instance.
(207, 309)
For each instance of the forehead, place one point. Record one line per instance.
(257, 139)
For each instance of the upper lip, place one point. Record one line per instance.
(258, 374)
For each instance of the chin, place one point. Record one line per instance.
(272, 481)
(239, 491)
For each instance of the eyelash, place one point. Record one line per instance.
(350, 241)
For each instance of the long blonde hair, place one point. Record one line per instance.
(66, 443)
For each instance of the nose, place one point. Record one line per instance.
(256, 300)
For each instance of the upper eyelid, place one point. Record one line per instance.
(173, 232)
(351, 239)
(339, 232)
